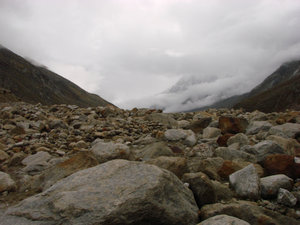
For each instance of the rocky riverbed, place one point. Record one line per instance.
(63, 164)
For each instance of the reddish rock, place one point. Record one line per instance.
(232, 125)
(222, 140)
(281, 164)
(176, 150)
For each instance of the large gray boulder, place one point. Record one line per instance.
(257, 126)
(265, 148)
(271, 184)
(117, 192)
(224, 220)
(246, 182)
(287, 130)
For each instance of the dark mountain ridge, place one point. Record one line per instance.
(36, 84)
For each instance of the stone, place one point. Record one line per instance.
(246, 183)
(3, 156)
(202, 150)
(211, 132)
(222, 140)
(177, 165)
(57, 123)
(224, 220)
(153, 151)
(198, 125)
(209, 166)
(165, 119)
(36, 162)
(271, 184)
(105, 151)
(191, 139)
(288, 144)
(240, 138)
(201, 186)
(183, 124)
(279, 164)
(117, 192)
(247, 211)
(16, 159)
(265, 148)
(222, 191)
(6, 183)
(286, 198)
(175, 134)
(287, 130)
(230, 154)
(36, 158)
(258, 126)
(232, 125)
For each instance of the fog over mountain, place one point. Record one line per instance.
(172, 54)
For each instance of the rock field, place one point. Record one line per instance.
(63, 164)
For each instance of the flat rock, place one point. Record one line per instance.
(223, 220)
(287, 130)
(246, 183)
(153, 151)
(230, 154)
(271, 184)
(117, 192)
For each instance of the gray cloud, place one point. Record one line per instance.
(132, 52)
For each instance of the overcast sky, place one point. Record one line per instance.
(176, 54)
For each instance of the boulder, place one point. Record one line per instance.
(3, 156)
(211, 132)
(201, 186)
(202, 150)
(175, 134)
(288, 144)
(163, 118)
(265, 148)
(223, 220)
(258, 126)
(6, 183)
(177, 165)
(248, 211)
(246, 183)
(222, 191)
(232, 125)
(270, 185)
(287, 130)
(286, 198)
(230, 154)
(240, 138)
(198, 125)
(230, 167)
(105, 151)
(222, 140)
(117, 192)
(280, 164)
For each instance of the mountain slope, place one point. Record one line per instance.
(36, 84)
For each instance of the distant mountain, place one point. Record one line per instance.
(36, 84)
(279, 91)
